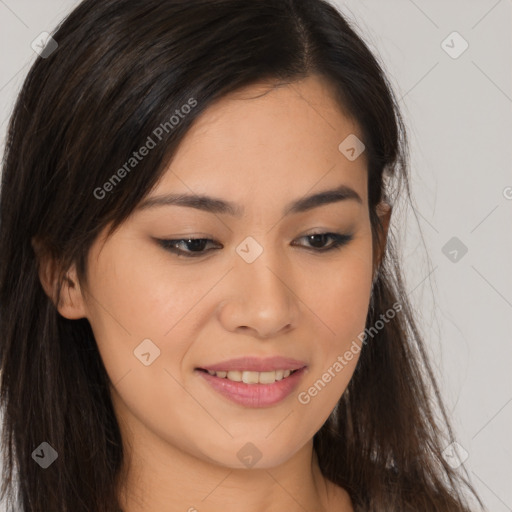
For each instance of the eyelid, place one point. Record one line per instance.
(339, 240)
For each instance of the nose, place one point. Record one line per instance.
(261, 300)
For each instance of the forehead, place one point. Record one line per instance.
(274, 139)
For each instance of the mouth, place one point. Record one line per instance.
(251, 377)
(253, 389)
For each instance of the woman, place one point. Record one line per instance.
(201, 306)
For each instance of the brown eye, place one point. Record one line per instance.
(317, 241)
(194, 246)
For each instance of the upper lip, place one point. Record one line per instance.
(256, 364)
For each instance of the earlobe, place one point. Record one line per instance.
(71, 304)
(384, 210)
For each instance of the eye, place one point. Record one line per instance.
(318, 239)
(195, 246)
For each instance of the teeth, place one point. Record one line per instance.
(265, 377)
(249, 377)
(235, 375)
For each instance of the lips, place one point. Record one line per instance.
(252, 381)
(251, 394)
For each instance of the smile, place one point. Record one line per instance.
(250, 377)
(253, 389)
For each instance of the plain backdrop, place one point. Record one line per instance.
(456, 240)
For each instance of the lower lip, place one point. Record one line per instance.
(254, 395)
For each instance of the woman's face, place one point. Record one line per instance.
(258, 290)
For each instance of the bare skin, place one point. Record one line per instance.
(260, 151)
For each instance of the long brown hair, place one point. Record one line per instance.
(121, 69)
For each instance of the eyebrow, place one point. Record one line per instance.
(219, 206)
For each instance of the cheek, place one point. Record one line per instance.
(134, 298)
(341, 307)
(141, 291)
(341, 294)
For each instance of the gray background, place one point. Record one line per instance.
(459, 116)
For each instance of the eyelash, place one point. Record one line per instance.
(339, 240)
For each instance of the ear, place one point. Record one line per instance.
(384, 210)
(71, 303)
